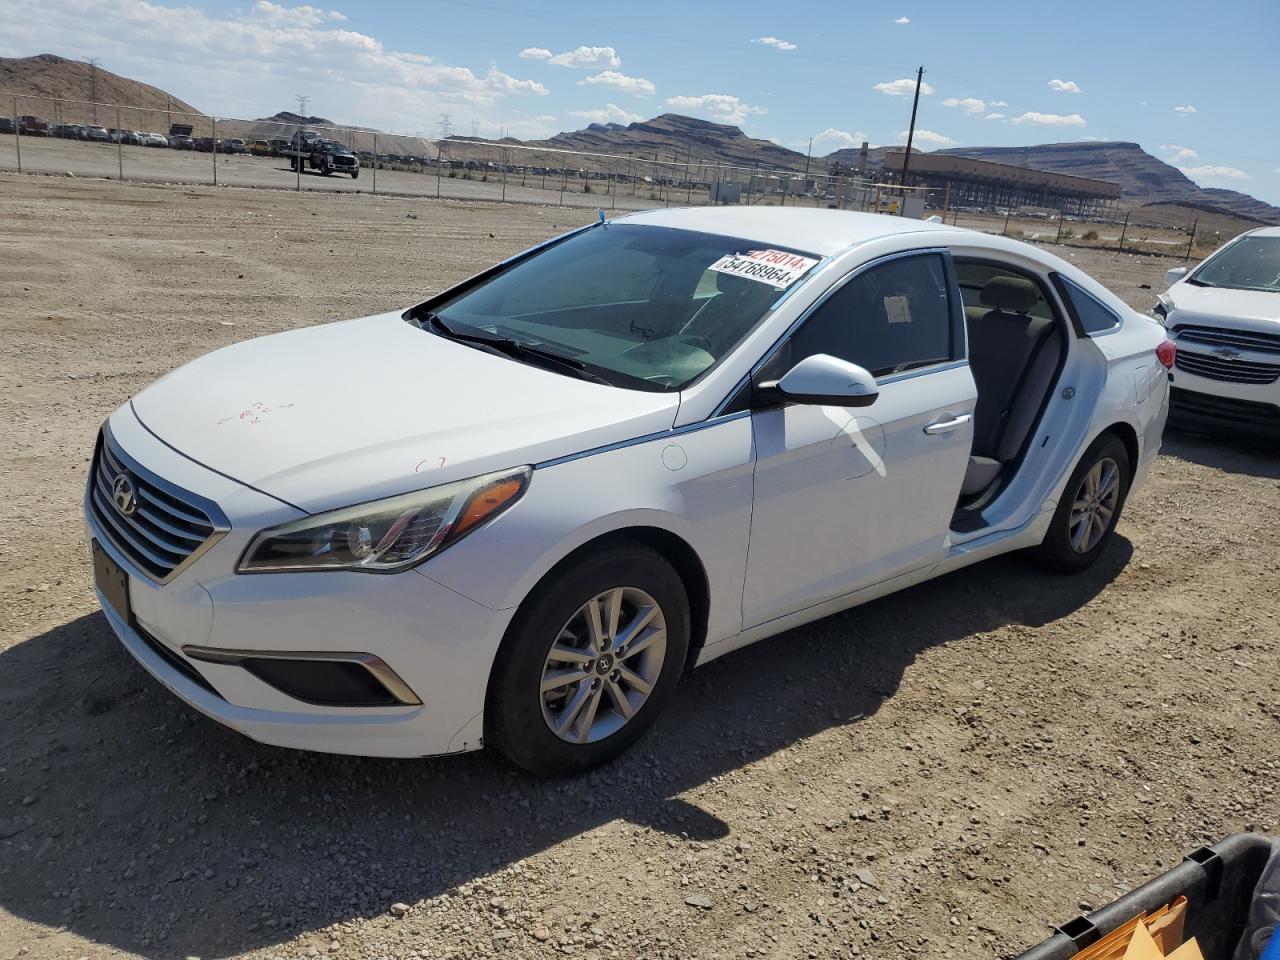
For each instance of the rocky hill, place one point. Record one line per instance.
(35, 79)
(1143, 178)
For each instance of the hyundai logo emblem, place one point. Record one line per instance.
(123, 494)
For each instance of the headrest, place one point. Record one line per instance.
(1014, 294)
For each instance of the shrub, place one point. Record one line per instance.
(1090, 236)
(586, 186)
(1067, 233)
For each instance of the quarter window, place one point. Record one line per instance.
(890, 318)
(1094, 317)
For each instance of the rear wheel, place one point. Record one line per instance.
(589, 662)
(1086, 518)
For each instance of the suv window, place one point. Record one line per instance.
(890, 318)
(1094, 317)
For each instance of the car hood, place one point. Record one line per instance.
(332, 415)
(1208, 304)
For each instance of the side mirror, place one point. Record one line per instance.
(1174, 274)
(825, 381)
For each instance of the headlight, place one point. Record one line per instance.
(386, 535)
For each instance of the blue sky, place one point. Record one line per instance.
(1194, 84)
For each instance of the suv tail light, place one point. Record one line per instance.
(1166, 353)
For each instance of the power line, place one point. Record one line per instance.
(302, 104)
(94, 63)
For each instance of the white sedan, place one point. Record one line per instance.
(513, 514)
(1224, 317)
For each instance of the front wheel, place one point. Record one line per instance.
(589, 662)
(1086, 518)
(355, 174)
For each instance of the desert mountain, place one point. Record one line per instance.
(47, 75)
(1143, 178)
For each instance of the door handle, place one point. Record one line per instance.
(946, 426)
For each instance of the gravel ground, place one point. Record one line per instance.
(944, 772)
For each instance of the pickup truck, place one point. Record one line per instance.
(326, 156)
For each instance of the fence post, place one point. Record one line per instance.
(1058, 238)
(946, 202)
(297, 164)
(1123, 231)
(17, 137)
(213, 152)
(1192, 239)
(119, 145)
(502, 159)
(613, 188)
(375, 161)
(439, 160)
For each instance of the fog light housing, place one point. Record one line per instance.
(321, 679)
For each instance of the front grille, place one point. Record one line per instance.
(1220, 412)
(1226, 368)
(1221, 337)
(174, 660)
(165, 528)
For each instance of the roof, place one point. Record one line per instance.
(824, 232)
(1265, 232)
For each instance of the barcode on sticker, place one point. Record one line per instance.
(778, 268)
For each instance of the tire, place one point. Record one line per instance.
(1072, 542)
(355, 174)
(519, 716)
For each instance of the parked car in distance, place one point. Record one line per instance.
(181, 142)
(234, 145)
(629, 450)
(7, 125)
(207, 145)
(99, 134)
(278, 144)
(260, 148)
(1224, 316)
(124, 136)
(153, 139)
(33, 126)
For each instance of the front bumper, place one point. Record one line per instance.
(440, 643)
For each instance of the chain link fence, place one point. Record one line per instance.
(101, 140)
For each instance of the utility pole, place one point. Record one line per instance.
(302, 104)
(93, 63)
(807, 157)
(911, 133)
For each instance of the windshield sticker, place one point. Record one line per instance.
(897, 309)
(777, 268)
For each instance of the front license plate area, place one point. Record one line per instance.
(112, 582)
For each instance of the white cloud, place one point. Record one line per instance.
(1180, 155)
(1188, 108)
(905, 87)
(721, 107)
(509, 84)
(903, 20)
(775, 43)
(610, 113)
(928, 136)
(278, 15)
(968, 104)
(1064, 86)
(994, 116)
(579, 58)
(840, 138)
(1050, 119)
(1213, 172)
(248, 61)
(611, 78)
(530, 128)
(998, 103)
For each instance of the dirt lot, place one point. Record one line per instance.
(940, 773)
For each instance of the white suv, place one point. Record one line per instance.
(1224, 317)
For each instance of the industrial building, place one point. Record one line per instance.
(982, 183)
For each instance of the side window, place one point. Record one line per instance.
(1094, 316)
(893, 317)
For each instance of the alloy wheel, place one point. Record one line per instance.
(603, 665)
(1094, 505)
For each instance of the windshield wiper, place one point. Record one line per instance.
(518, 350)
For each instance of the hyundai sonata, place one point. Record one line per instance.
(515, 513)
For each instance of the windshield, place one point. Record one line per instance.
(643, 307)
(335, 148)
(1251, 263)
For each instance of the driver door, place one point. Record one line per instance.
(848, 497)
